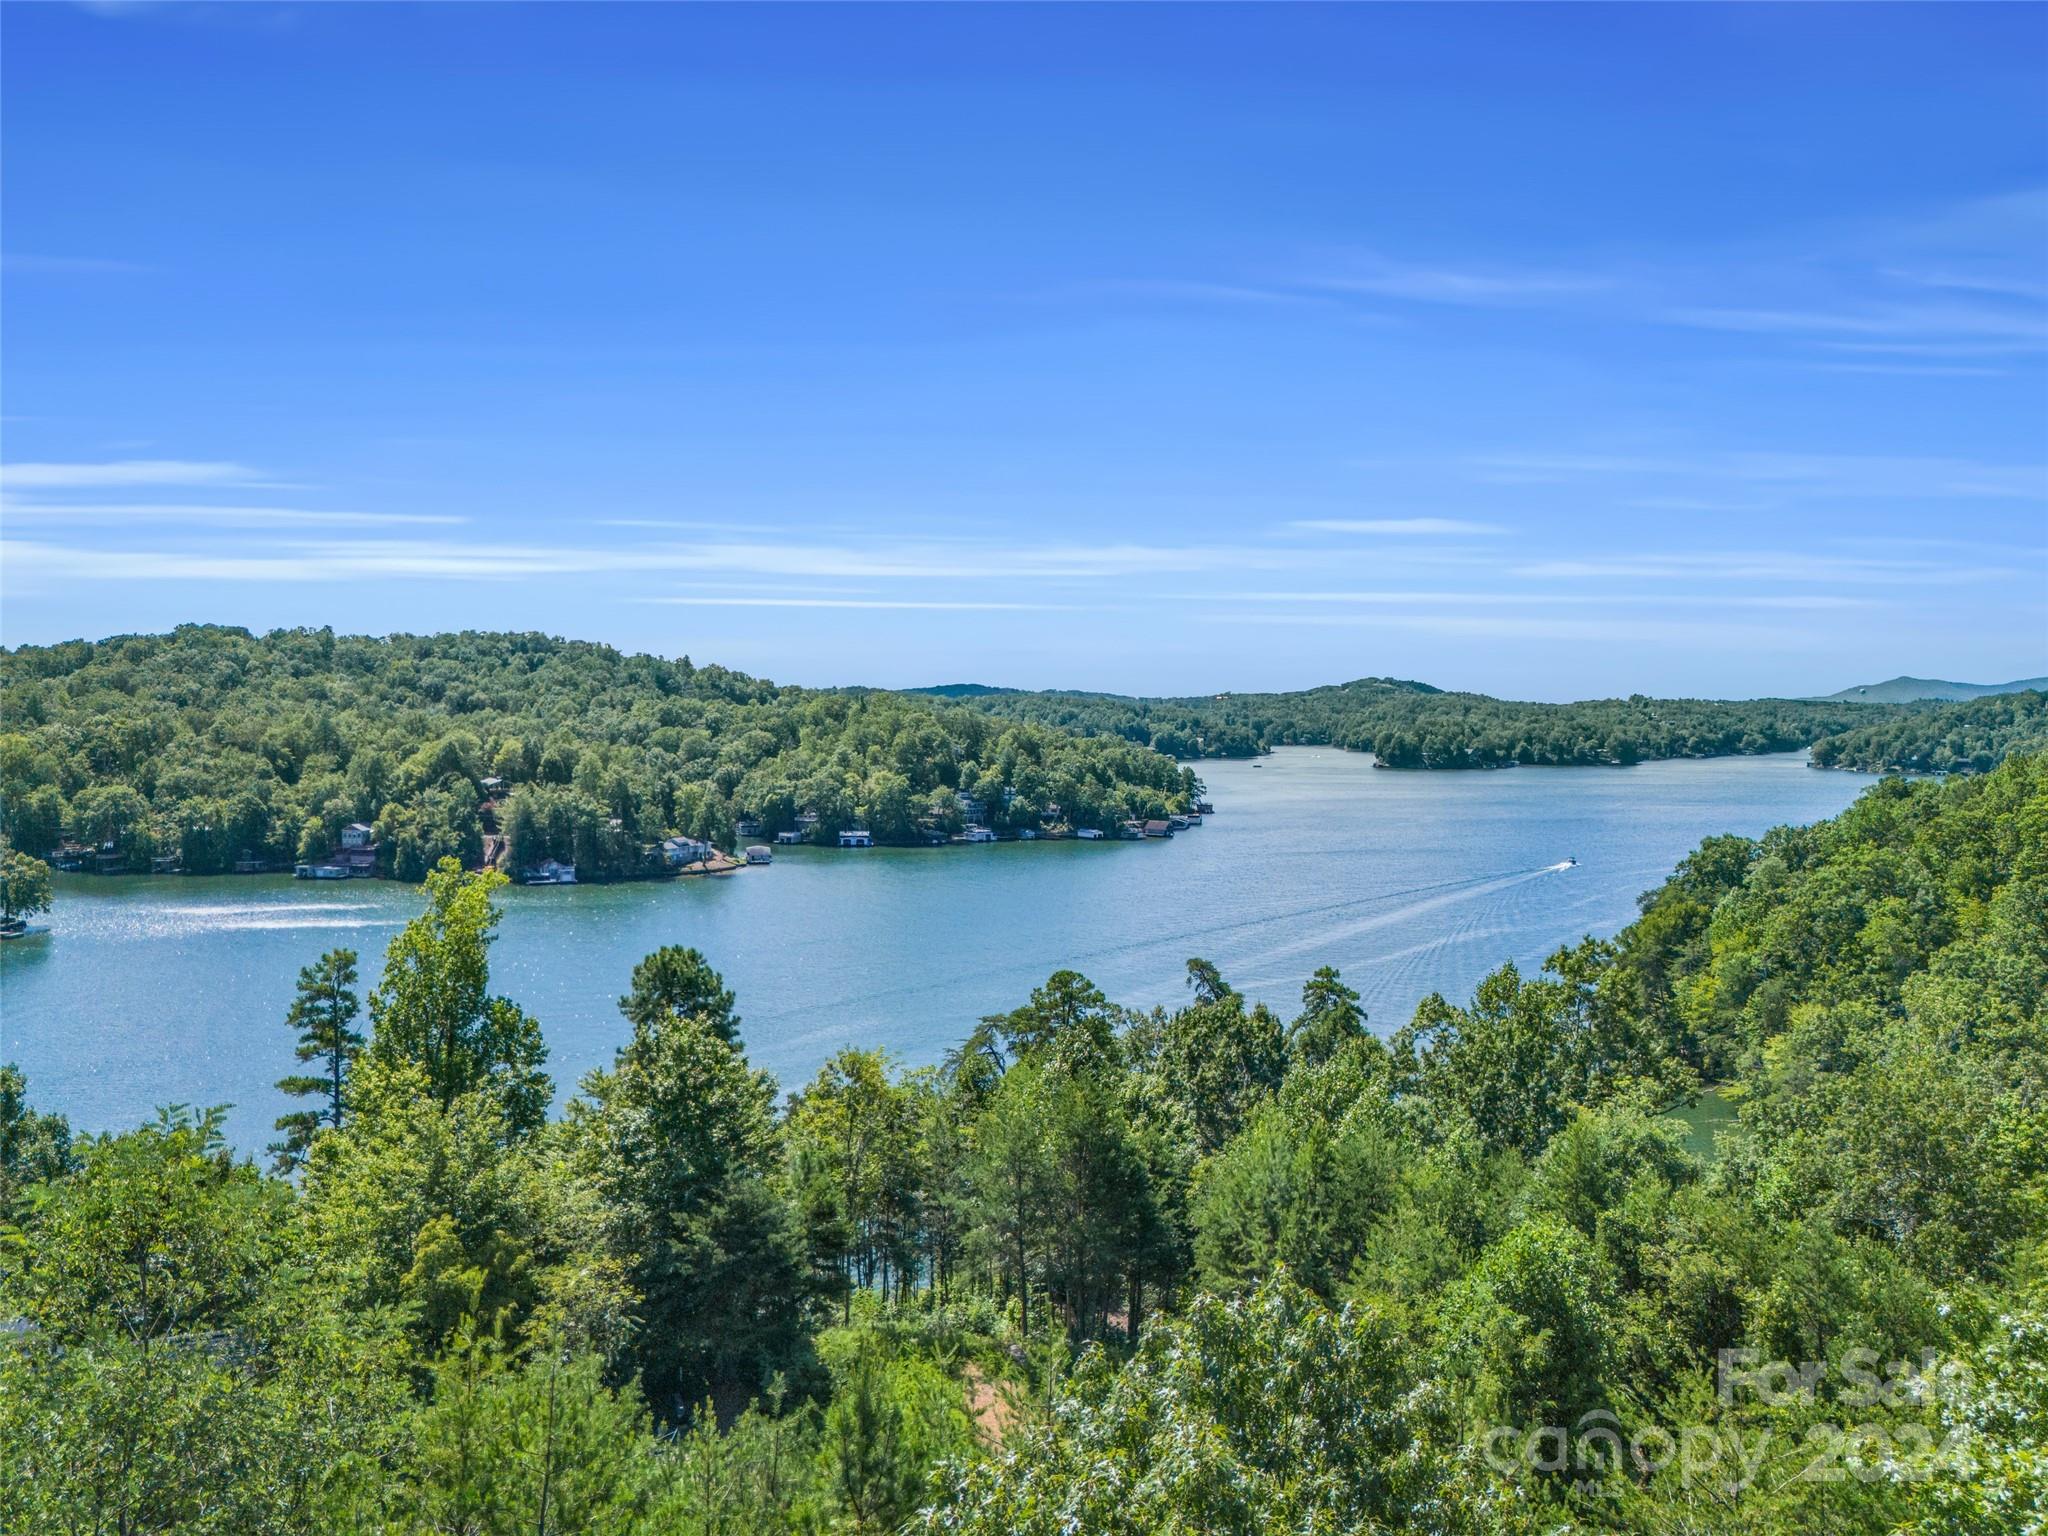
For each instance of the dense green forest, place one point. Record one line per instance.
(1212, 1269)
(1411, 725)
(210, 746)
(1970, 737)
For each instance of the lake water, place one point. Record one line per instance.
(154, 991)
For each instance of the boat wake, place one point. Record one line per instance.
(259, 908)
(307, 920)
(1339, 932)
(1418, 898)
(180, 922)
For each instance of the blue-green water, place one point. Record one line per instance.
(1704, 1119)
(153, 991)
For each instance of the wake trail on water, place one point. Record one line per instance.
(1451, 889)
(309, 920)
(261, 909)
(160, 922)
(1338, 932)
(1399, 969)
(1438, 893)
(1396, 970)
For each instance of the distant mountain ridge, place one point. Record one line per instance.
(1908, 690)
(990, 690)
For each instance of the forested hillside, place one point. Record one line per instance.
(1215, 1269)
(1970, 737)
(209, 746)
(1411, 725)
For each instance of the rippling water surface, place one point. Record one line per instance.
(152, 991)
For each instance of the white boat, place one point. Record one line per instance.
(1092, 834)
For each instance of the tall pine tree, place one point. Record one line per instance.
(322, 1011)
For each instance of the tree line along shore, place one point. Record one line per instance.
(1409, 725)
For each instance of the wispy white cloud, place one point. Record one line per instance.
(25, 559)
(1713, 633)
(1408, 599)
(125, 473)
(727, 586)
(1990, 245)
(933, 605)
(1913, 370)
(1421, 283)
(1812, 474)
(1449, 526)
(1941, 541)
(240, 18)
(939, 575)
(2008, 284)
(15, 510)
(1187, 291)
(1760, 566)
(2002, 350)
(1721, 505)
(688, 525)
(1964, 280)
(959, 559)
(1987, 327)
(499, 561)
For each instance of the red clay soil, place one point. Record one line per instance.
(988, 1407)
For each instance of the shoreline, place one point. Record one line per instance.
(725, 865)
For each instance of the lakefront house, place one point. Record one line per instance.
(679, 851)
(358, 851)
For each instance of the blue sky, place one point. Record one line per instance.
(1548, 351)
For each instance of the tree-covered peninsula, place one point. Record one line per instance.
(211, 748)
(1220, 1268)
(1412, 725)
